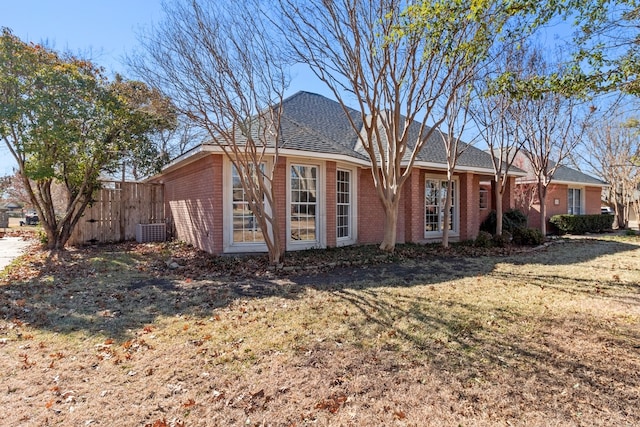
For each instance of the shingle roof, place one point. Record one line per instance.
(567, 174)
(563, 173)
(312, 122)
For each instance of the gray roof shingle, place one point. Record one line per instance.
(312, 122)
(567, 174)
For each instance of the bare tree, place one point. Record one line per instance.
(611, 153)
(491, 111)
(401, 62)
(550, 119)
(456, 121)
(225, 72)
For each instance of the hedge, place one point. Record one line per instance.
(581, 224)
(511, 219)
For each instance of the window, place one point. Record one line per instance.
(435, 197)
(575, 201)
(304, 203)
(343, 204)
(484, 198)
(245, 226)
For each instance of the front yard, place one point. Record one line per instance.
(156, 335)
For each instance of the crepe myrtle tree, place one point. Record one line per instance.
(491, 111)
(227, 74)
(402, 63)
(65, 124)
(551, 114)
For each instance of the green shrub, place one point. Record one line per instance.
(502, 240)
(528, 236)
(630, 232)
(42, 236)
(581, 224)
(483, 240)
(511, 219)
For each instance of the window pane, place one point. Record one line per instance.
(303, 202)
(245, 226)
(343, 204)
(435, 199)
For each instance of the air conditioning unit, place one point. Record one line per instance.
(151, 233)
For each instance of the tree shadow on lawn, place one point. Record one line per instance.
(542, 368)
(568, 359)
(114, 293)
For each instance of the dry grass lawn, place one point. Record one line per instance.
(105, 337)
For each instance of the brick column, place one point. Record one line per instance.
(414, 206)
(469, 205)
(218, 204)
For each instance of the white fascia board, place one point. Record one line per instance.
(204, 149)
(190, 156)
(323, 156)
(569, 183)
(478, 170)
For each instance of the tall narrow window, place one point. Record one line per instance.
(343, 204)
(434, 199)
(245, 226)
(575, 201)
(484, 198)
(304, 203)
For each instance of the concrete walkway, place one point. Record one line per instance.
(11, 248)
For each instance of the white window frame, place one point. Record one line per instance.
(321, 240)
(455, 226)
(229, 245)
(353, 217)
(582, 195)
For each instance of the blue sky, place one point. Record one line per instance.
(99, 30)
(104, 31)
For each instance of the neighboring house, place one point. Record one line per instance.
(324, 189)
(570, 192)
(13, 207)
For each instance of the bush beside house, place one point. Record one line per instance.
(581, 224)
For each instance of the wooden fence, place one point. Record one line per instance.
(117, 208)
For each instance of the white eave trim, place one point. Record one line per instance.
(324, 156)
(570, 183)
(476, 169)
(205, 149)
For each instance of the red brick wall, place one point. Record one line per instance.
(554, 191)
(469, 205)
(194, 196)
(414, 206)
(508, 197)
(371, 212)
(593, 200)
(557, 192)
(194, 199)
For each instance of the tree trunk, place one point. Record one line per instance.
(447, 209)
(542, 195)
(499, 216)
(621, 218)
(390, 227)
(276, 249)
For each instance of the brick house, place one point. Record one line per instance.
(324, 189)
(570, 192)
